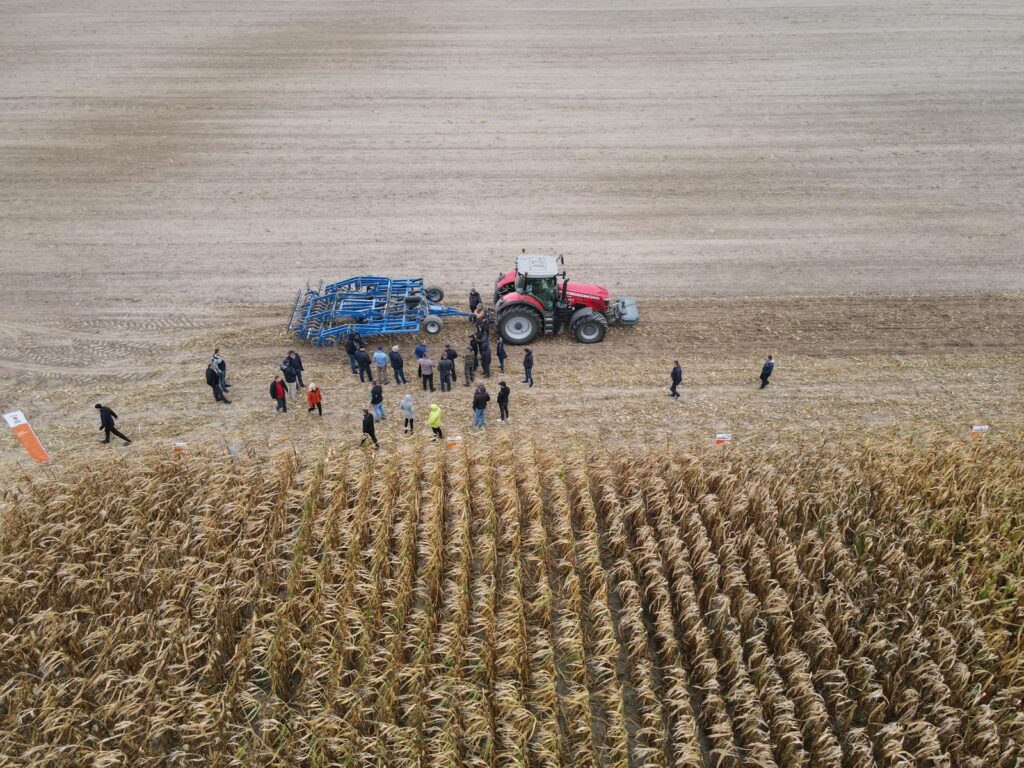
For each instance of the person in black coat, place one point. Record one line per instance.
(528, 367)
(485, 355)
(446, 369)
(107, 418)
(368, 429)
(480, 400)
(500, 353)
(503, 394)
(398, 366)
(474, 348)
(351, 347)
(291, 377)
(363, 361)
(452, 355)
(297, 365)
(677, 379)
(766, 371)
(474, 299)
(213, 379)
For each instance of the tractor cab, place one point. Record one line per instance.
(537, 276)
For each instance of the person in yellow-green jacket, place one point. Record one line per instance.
(434, 421)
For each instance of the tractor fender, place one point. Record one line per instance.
(579, 314)
(519, 298)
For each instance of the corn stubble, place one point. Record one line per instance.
(519, 604)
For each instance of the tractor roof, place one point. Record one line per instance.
(533, 265)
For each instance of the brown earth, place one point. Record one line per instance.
(839, 185)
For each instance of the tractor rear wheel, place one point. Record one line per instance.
(432, 324)
(434, 294)
(519, 324)
(590, 328)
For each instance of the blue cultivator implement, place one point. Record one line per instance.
(370, 306)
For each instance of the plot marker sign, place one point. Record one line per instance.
(26, 435)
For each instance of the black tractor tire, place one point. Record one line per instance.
(588, 326)
(434, 294)
(432, 324)
(519, 324)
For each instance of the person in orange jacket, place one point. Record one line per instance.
(315, 397)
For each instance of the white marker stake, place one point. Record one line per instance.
(979, 429)
(723, 438)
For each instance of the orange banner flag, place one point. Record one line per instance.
(26, 435)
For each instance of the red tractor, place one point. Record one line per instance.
(531, 300)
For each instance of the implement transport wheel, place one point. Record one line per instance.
(434, 294)
(432, 324)
(519, 324)
(588, 326)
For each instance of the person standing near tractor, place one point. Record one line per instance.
(474, 350)
(380, 359)
(500, 353)
(278, 392)
(407, 413)
(485, 355)
(677, 379)
(351, 347)
(528, 367)
(377, 401)
(213, 379)
(480, 400)
(467, 367)
(766, 371)
(107, 425)
(363, 361)
(474, 300)
(434, 421)
(503, 394)
(368, 430)
(420, 350)
(398, 366)
(452, 355)
(446, 369)
(427, 372)
(315, 398)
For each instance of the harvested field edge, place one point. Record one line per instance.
(519, 603)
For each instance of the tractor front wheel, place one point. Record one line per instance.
(434, 294)
(519, 325)
(432, 324)
(590, 328)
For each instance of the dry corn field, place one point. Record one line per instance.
(517, 604)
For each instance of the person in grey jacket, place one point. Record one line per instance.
(407, 413)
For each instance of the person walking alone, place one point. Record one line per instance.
(446, 369)
(380, 359)
(500, 353)
(528, 367)
(222, 369)
(434, 421)
(297, 365)
(766, 371)
(427, 372)
(213, 379)
(363, 361)
(315, 398)
(677, 379)
(377, 401)
(407, 413)
(480, 400)
(368, 430)
(107, 426)
(278, 392)
(398, 366)
(503, 394)
(351, 347)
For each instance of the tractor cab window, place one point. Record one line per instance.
(544, 289)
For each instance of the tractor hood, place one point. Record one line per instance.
(589, 290)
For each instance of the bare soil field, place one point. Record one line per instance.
(764, 177)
